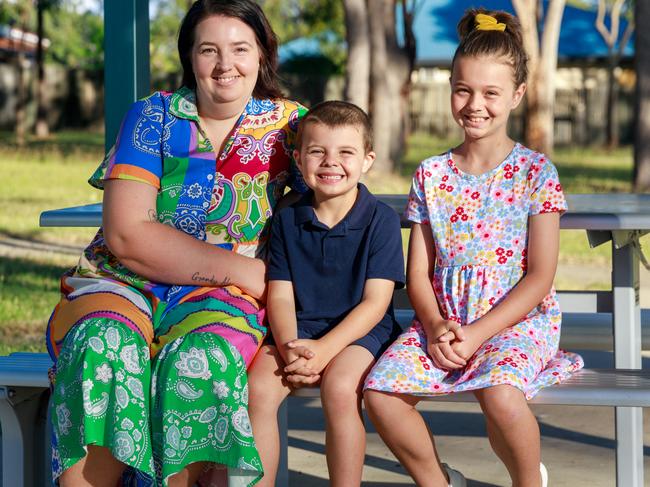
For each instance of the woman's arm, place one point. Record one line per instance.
(165, 254)
(543, 248)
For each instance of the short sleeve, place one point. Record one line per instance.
(278, 265)
(546, 191)
(296, 181)
(386, 257)
(416, 209)
(137, 153)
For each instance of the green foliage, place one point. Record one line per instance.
(76, 37)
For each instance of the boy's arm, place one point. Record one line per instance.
(377, 294)
(281, 309)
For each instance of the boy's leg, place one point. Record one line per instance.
(341, 393)
(267, 390)
(407, 435)
(513, 432)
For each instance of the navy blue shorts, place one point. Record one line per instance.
(376, 341)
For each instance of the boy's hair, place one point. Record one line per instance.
(507, 43)
(336, 113)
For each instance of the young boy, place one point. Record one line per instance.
(335, 259)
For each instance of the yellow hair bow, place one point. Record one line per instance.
(487, 22)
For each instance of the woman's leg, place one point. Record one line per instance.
(199, 410)
(513, 432)
(267, 391)
(100, 403)
(341, 393)
(98, 468)
(405, 432)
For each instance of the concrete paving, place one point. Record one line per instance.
(578, 445)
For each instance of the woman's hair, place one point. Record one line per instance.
(507, 43)
(252, 15)
(336, 113)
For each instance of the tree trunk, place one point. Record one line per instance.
(542, 66)
(389, 73)
(42, 129)
(611, 124)
(642, 105)
(357, 69)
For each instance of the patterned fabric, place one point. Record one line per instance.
(479, 226)
(186, 400)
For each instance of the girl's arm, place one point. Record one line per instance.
(165, 254)
(419, 284)
(377, 295)
(543, 248)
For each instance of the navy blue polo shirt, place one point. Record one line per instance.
(329, 266)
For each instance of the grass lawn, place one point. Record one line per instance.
(53, 174)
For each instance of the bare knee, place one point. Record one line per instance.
(341, 393)
(503, 404)
(380, 405)
(266, 389)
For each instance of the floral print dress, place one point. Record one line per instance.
(479, 226)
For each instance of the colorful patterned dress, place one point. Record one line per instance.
(479, 226)
(154, 372)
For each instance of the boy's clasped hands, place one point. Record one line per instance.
(305, 361)
(451, 345)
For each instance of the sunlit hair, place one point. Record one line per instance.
(336, 113)
(252, 15)
(480, 43)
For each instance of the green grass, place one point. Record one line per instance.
(52, 174)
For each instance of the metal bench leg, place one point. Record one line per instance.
(627, 355)
(19, 409)
(282, 478)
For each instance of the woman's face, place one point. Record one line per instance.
(225, 60)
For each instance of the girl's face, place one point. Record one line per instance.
(225, 60)
(482, 96)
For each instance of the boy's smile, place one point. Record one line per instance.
(332, 161)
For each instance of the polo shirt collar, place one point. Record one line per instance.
(183, 105)
(358, 217)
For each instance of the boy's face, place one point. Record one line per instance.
(332, 159)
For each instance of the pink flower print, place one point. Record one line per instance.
(510, 200)
(460, 248)
(508, 174)
(502, 259)
(542, 160)
(486, 236)
(427, 174)
(547, 205)
(445, 178)
(550, 185)
(499, 251)
(459, 210)
(530, 176)
(479, 226)
(498, 194)
(509, 253)
(453, 218)
(467, 191)
(475, 195)
(558, 187)
(507, 167)
(516, 168)
(442, 186)
(464, 217)
(450, 188)
(524, 356)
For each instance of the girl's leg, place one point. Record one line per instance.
(341, 393)
(188, 476)
(267, 390)
(98, 468)
(513, 432)
(407, 435)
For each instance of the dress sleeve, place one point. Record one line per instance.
(137, 153)
(546, 191)
(386, 257)
(296, 181)
(278, 265)
(416, 209)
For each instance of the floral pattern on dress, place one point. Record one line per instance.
(479, 225)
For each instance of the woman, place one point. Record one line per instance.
(162, 315)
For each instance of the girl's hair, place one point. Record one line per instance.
(252, 15)
(507, 43)
(337, 113)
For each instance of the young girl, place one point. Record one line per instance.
(482, 257)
